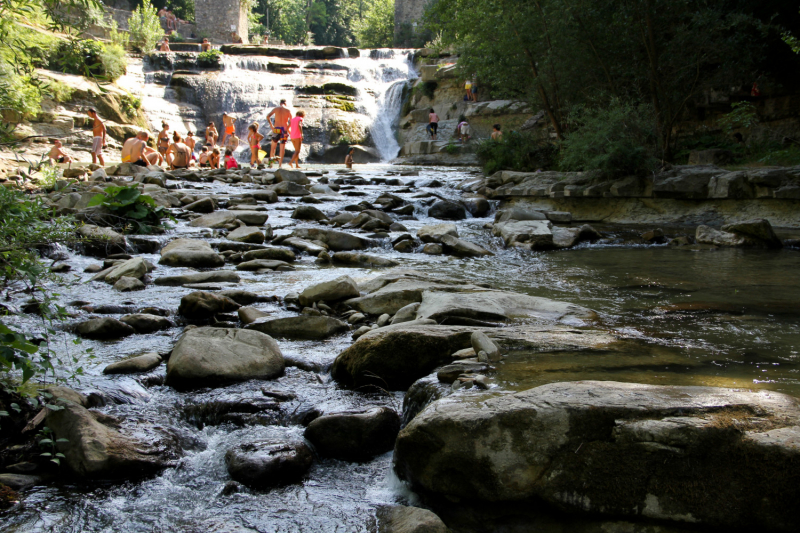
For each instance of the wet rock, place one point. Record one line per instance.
(132, 268)
(535, 233)
(126, 284)
(212, 356)
(363, 260)
(266, 196)
(204, 305)
(759, 229)
(105, 328)
(269, 463)
(288, 188)
(248, 315)
(402, 519)
(93, 269)
(654, 236)
(272, 252)
(383, 320)
(330, 291)
(304, 245)
(478, 207)
(482, 343)
(708, 235)
(433, 249)
(252, 218)
(192, 253)
(19, 481)
(569, 237)
(144, 323)
(341, 219)
(240, 297)
(140, 363)
(214, 276)
(518, 213)
(293, 176)
(434, 232)
(308, 212)
(264, 264)
(462, 248)
(304, 327)
(447, 210)
(582, 438)
(355, 318)
(392, 292)
(204, 205)
(96, 450)
(406, 314)
(450, 373)
(404, 246)
(354, 435)
(559, 217)
(216, 220)
(247, 234)
(101, 241)
(335, 240)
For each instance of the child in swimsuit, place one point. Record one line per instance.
(254, 141)
(230, 161)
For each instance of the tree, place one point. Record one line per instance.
(145, 27)
(376, 29)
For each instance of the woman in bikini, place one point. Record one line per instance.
(254, 142)
(211, 134)
(296, 136)
(163, 139)
(178, 154)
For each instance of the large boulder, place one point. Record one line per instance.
(354, 435)
(758, 229)
(105, 328)
(269, 463)
(247, 234)
(303, 327)
(214, 276)
(330, 291)
(192, 253)
(402, 519)
(101, 241)
(721, 458)
(204, 305)
(536, 234)
(447, 210)
(95, 450)
(685, 182)
(335, 240)
(212, 356)
(392, 297)
(461, 248)
(293, 176)
(435, 232)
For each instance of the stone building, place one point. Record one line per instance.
(408, 12)
(220, 19)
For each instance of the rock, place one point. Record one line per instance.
(252, 218)
(708, 235)
(478, 207)
(214, 276)
(655, 235)
(132, 268)
(433, 249)
(266, 196)
(140, 363)
(271, 252)
(101, 241)
(567, 443)
(211, 356)
(192, 253)
(247, 234)
(402, 519)
(450, 373)
(204, 205)
(304, 245)
(269, 463)
(363, 260)
(480, 342)
(330, 291)
(248, 315)
(406, 314)
(559, 217)
(518, 213)
(240, 296)
(308, 212)
(462, 248)
(144, 323)
(341, 219)
(293, 176)
(404, 247)
(354, 435)
(535, 233)
(685, 182)
(730, 185)
(264, 264)
(19, 482)
(569, 237)
(126, 284)
(303, 327)
(216, 220)
(105, 328)
(383, 320)
(759, 229)
(288, 188)
(434, 232)
(95, 450)
(447, 210)
(713, 156)
(355, 318)
(204, 305)
(335, 240)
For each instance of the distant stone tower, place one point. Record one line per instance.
(408, 13)
(220, 19)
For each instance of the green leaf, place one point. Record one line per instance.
(45, 442)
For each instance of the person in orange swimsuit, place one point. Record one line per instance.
(227, 125)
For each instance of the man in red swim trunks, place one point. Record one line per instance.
(227, 125)
(280, 129)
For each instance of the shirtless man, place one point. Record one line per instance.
(165, 45)
(136, 151)
(99, 141)
(191, 142)
(497, 135)
(232, 143)
(206, 46)
(280, 129)
(228, 127)
(57, 155)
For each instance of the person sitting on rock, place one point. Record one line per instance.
(165, 45)
(348, 161)
(172, 21)
(204, 160)
(57, 155)
(230, 161)
(178, 154)
(136, 151)
(206, 46)
(214, 158)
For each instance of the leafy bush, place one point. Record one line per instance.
(113, 61)
(742, 115)
(130, 105)
(82, 57)
(376, 28)
(176, 37)
(135, 212)
(516, 151)
(210, 58)
(145, 27)
(617, 139)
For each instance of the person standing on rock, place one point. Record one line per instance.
(433, 124)
(163, 140)
(468, 89)
(280, 129)
(178, 154)
(254, 142)
(191, 142)
(211, 134)
(296, 134)
(99, 137)
(228, 127)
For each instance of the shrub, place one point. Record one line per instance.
(617, 139)
(82, 57)
(210, 58)
(742, 115)
(517, 151)
(135, 212)
(113, 61)
(130, 105)
(145, 27)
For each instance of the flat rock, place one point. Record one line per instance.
(462, 248)
(264, 264)
(271, 252)
(248, 315)
(132, 268)
(304, 245)
(214, 276)
(101, 241)
(247, 234)
(434, 232)
(303, 327)
(105, 328)
(140, 363)
(335, 240)
(334, 290)
(190, 253)
(204, 305)
(535, 233)
(146, 323)
(363, 260)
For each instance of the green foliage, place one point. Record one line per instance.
(119, 38)
(409, 36)
(516, 151)
(60, 92)
(80, 57)
(452, 148)
(742, 115)
(145, 27)
(136, 212)
(376, 28)
(183, 9)
(209, 58)
(114, 63)
(49, 443)
(16, 353)
(176, 37)
(130, 105)
(617, 140)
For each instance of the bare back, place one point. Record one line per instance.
(132, 150)
(282, 117)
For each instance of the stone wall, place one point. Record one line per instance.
(219, 19)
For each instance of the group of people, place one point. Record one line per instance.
(169, 21)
